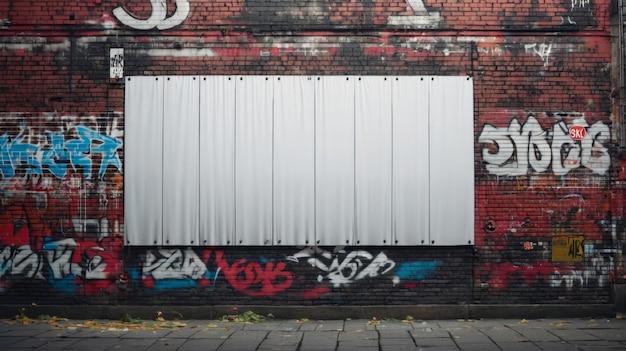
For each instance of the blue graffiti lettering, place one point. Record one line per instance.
(416, 270)
(59, 154)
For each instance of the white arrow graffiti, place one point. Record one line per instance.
(158, 18)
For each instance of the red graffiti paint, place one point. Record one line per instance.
(577, 132)
(255, 279)
(315, 293)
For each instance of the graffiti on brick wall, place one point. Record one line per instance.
(68, 265)
(520, 149)
(542, 50)
(55, 153)
(158, 19)
(184, 268)
(598, 272)
(356, 265)
(61, 201)
(161, 19)
(166, 269)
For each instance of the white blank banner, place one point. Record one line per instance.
(253, 161)
(180, 161)
(294, 160)
(373, 160)
(410, 161)
(451, 161)
(217, 160)
(334, 165)
(143, 162)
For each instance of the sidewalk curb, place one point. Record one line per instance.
(323, 312)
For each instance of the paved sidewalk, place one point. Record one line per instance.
(305, 335)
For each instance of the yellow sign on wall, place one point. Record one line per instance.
(568, 248)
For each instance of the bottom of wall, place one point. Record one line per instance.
(328, 312)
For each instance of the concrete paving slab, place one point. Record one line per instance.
(212, 333)
(277, 348)
(429, 333)
(184, 333)
(573, 334)
(132, 344)
(395, 326)
(242, 340)
(359, 324)
(307, 326)
(32, 343)
(85, 333)
(291, 341)
(358, 335)
(145, 334)
(201, 345)
(330, 326)
(477, 347)
(554, 346)
(266, 326)
(537, 334)
(598, 345)
(282, 334)
(399, 348)
(28, 332)
(94, 344)
(58, 344)
(532, 335)
(56, 333)
(502, 334)
(319, 340)
(435, 342)
(394, 334)
(606, 334)
(518, 346)
(8, 341)
(168, 344)
(474, 337)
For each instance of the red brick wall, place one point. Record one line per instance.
(537, 68)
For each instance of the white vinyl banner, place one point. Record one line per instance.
(373, 154)
(410, 160)
(180, 160)
(217, 160)
(451, 161)
(143, 162)
(334, 160)
(296, 160)
(253, 160)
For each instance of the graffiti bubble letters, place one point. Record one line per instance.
(254, 279)
(177, 268)
(512, 151)
(355, 266)
(59, 153)
(174, 264)
(158, 18)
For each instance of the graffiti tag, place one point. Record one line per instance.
(59, 153)
(518, 149)
(158, 18)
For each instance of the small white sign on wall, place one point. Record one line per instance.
(116, 63)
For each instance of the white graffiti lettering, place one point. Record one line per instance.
(174, 264)
(580, 3)
(158, 18)
(355, 265)
(542, 50)
(60, 259)
(568, 280)
(55, 258)
(515, 150)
